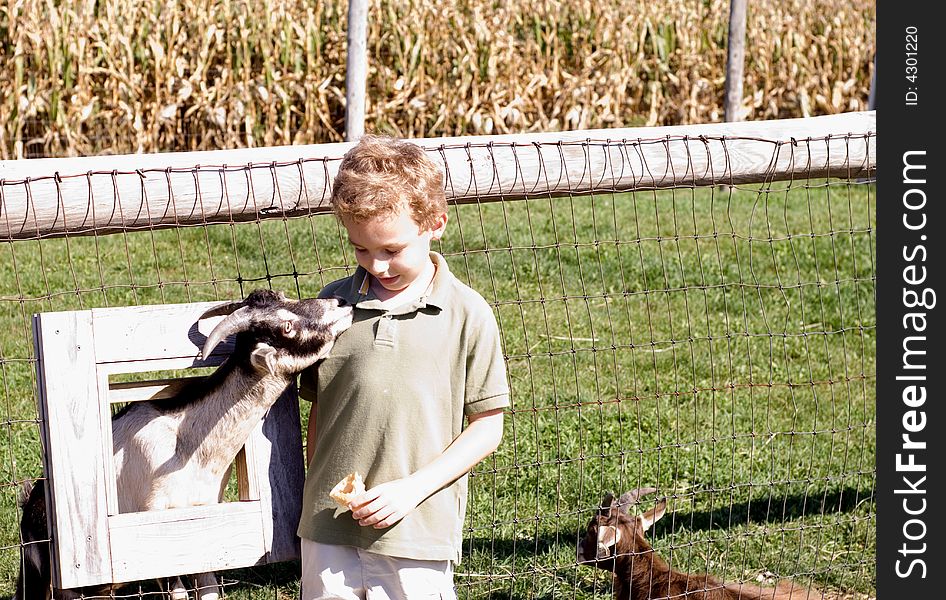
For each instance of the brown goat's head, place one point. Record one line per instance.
(613, 530)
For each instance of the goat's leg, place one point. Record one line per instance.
(175, 589)
(207, 587)
(33, 582)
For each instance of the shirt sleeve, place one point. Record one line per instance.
(486, 385)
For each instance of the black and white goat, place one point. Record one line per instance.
(178, 452)
(614, 541)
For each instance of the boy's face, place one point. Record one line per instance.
(394, 250)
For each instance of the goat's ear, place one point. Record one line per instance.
(263, 358)
(608, 536)
(653, 515)
(606, 505)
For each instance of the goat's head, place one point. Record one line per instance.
(613, 530)
(277, 335)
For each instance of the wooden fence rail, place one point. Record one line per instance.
(55, 197)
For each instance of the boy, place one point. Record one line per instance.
(389, 402)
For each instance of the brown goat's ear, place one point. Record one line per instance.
(653, 515)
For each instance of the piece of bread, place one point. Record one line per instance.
(347, 489)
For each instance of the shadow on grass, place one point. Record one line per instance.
(505, 552)
(775, 509)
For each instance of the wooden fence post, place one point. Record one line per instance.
(736, 57)
(356, 70)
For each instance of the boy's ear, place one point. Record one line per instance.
(440, 225)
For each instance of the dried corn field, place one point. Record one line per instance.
(86, 77)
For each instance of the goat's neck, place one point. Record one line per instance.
(642, 574)
(634, 570)
(219, 425)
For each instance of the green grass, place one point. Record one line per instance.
(715, 344)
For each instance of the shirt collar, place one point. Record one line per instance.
(358, 291)
(441, 285)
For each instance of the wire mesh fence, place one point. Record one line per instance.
(710, 337)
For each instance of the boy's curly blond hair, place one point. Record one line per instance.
(381, 175)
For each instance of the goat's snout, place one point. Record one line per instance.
(340, 309)
(597, 544)
(601, 554)
(332, 311)
(335, 313)
(583, 558)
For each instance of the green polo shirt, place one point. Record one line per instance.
(391, 396)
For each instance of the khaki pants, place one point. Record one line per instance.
(349, 573)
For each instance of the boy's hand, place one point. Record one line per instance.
(385, 504)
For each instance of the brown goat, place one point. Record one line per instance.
(614, 541)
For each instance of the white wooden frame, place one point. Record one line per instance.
(92, 543)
